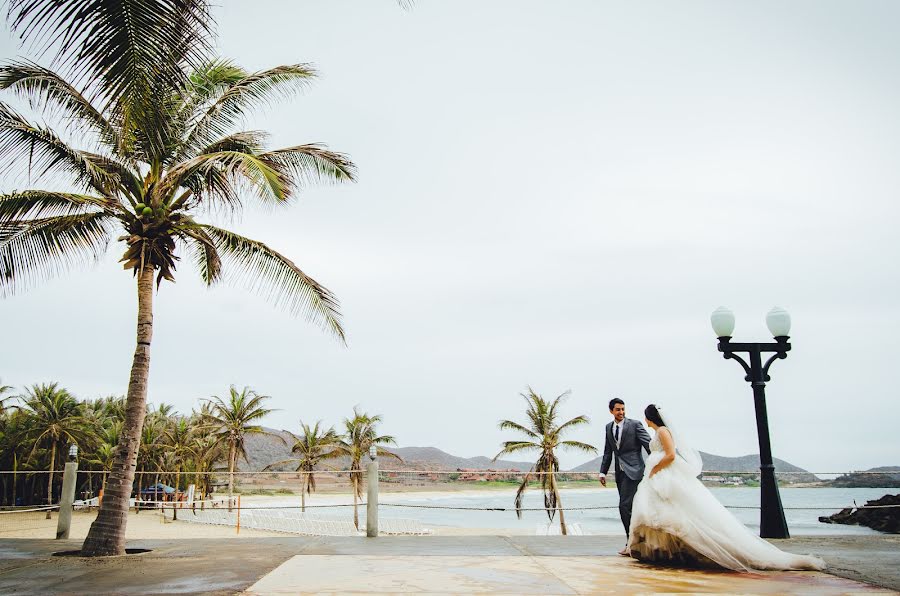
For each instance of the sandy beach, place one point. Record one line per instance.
(150, 524)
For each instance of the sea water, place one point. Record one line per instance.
(820, 501)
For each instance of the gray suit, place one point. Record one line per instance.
(629, 462)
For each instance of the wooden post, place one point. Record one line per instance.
(239, 514)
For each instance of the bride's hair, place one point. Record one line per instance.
(652, 414)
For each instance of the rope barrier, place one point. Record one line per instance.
(437, 472)
(29, 510)
(464, 508)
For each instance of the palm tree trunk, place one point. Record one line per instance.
(15, 476)
(304, 486)
(231, 458)
(355, 478)
(107, 533)
(175, 503)
(50, 480)
(562, 519)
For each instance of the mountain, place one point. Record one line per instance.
(881, 477)
(263, 450)
(745, 463)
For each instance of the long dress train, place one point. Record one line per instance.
(675, 519)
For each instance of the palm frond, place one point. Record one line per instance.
(31, 204)
(307, 164)
(206, 256)
(579, 446)
(46, 152)
(269, 272)
(44, 89)
(225, 169)
(121, 48)
(242, 96)
(510, 447)
(510, 425)
(577, 421)
(37, 249)
(520, 493)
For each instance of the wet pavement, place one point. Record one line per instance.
(432, 564)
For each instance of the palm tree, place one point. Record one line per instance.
(178, 441)
(104, 456)
(160, 115)
(314, 446)
(543, 434)
(206, 452)
(232, 420)
(3, 400)
(54, 418)
(360, 434)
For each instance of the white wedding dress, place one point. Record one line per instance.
(675, 519)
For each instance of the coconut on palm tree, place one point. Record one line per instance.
(160, 116)
(360, 433)
(54, 419)
(543, 433)
(231, 420)
(315, 445)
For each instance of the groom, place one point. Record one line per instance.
(624, 438)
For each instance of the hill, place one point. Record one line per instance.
(881, 477)
(263, 450)
(745, 463)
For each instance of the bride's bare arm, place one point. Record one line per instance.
(665, 437)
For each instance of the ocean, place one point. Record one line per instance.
(824, 501)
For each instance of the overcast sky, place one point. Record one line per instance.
(555, 194)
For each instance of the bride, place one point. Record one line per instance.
(677, 520)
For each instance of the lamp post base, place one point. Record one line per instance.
(772, 523)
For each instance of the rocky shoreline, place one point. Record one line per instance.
(883, 520)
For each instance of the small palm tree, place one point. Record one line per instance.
(104, 456)
(314, 445)
(232, 420)
(361, 434)
(206, 453)
(54, 418)
(543, 434)
(178, 443)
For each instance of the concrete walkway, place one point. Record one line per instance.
(435, 564)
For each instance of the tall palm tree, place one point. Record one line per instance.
(315, 445)
(54, 418)
(232, 420)
(161, 121)
(361, 434)
(543, 434)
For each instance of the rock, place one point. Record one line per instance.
(883, 520)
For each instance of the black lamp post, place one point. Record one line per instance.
(771, 516)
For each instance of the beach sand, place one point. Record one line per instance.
(150, 524)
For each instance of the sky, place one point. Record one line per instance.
(554, 195)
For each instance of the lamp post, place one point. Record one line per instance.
(772, 523)
(372, 496)
(67, 498)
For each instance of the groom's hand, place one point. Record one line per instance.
(603, 480)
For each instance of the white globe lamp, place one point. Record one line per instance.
(722, 320)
